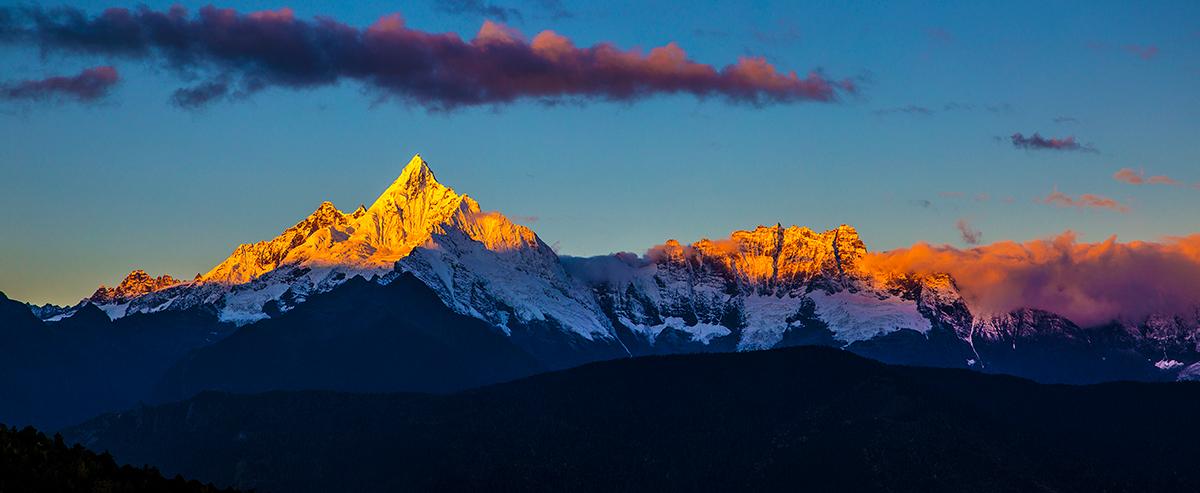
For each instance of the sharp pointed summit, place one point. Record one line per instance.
(407, 212)
(416, 170)
(416, 224)
(369, 239)
(415, 178)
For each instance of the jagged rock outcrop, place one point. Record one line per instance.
(135, 284)
(750, 290)
(248, 262)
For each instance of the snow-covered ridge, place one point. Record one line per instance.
(757, 288)
(482, 264)
(368, 240)
(479, 262)
(248, 262)
(760, 284)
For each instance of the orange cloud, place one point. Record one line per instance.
(1085, 201)
(1089, 283)
(1128, 175)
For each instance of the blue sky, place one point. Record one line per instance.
(93, 190)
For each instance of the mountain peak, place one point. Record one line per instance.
(417, 171)
(416, 180)
(326, 215)
(328, 246)
(136, 283)
(847, 230)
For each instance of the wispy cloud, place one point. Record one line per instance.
(439, 71)
(782, 33)
(910, 109)
(969, 234)
(1065, 120)
(1085, 201)
(555, 10)
(477, 8)
(1146, 52)
(1037, 142)
(89, 85)
(1138, 177)
(940, 35)
(915, 109)
(711, 33)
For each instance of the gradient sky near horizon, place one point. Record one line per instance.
(94, 189)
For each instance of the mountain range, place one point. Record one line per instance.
(424, 290)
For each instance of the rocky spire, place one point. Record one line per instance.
(409, 209)
(135, 284)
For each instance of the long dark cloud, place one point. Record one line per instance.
(1037, 142)
(89, 85)
(436, 70)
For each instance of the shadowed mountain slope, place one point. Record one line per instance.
(362, 337)
(797, 418)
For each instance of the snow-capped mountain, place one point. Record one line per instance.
(753, 287)
(766, 287)
(479, 263)
(775, 286)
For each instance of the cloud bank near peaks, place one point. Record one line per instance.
(1092, 284)
(238, 54)
(1089, 283)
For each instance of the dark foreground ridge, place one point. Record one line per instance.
(32, 462)
(797, 418)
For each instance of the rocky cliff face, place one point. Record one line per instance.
(250, 261)
(135, 284)
(750, 290)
